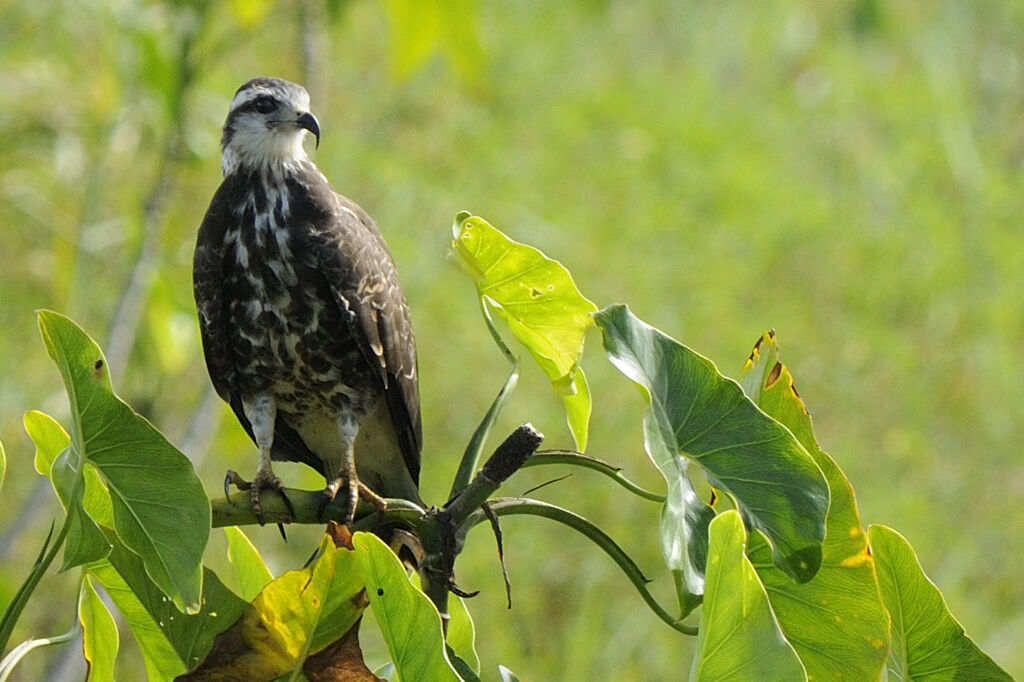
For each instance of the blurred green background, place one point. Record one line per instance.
(849, 172)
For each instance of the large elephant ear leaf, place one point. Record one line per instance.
(160, 510)
(535, 296)
(928, 642)
(697, 413)
(836, 638)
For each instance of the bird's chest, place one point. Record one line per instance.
(290, 336)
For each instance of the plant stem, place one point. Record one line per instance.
(12, 659)
(521, 505)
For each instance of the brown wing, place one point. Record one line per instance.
(211, 294)
(352, 255)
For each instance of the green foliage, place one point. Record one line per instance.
(739, 636)
(253, 575)
(153, 489)
(99, 633)
(848, 172)
(408, 621)
(698, 413)
(768, 611)
(836, 622)
(928, 644)
(190, 635)
(538, 300)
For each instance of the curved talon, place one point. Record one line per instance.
(349, 486)
(262, 481)
(232, 478)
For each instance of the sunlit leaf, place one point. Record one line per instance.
(461, 632)
(928, 644)
(836, 622)
(739, 637)
(253, 574)
(159, 657)
(296, 615)
(48, 436)
(99, 634)
(408, 620)
(461, 636)
(159, 508)
(698, 413)
(3, 464)
(538, 300)
(153, 617)
(54, 459)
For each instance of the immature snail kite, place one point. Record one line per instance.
(304, 324)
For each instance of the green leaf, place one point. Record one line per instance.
(739, 638)
(836, 622)
(294, 616)
(461, 632)
(253, 574)
(99, 633)
(928, 644)
(408, 620)
(54, 459)
(538, 300)
(698, 413)
(160, 658)
(461, 637)
(123, 574)
(3, 464)
(49, 437)
(159, 508)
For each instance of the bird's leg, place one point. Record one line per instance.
(261, 411)
(345, 482)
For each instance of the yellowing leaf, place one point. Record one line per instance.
(836, 622)
(538, 300)
(99, 634)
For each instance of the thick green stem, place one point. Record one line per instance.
(471, 457)
(579, 459)
(519, 505)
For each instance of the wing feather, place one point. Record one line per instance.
(354, 257)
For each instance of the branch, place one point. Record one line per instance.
(236, 510)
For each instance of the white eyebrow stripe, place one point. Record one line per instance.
(246, 96)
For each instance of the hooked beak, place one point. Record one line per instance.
(309, 122)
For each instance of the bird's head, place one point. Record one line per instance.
(266, 125)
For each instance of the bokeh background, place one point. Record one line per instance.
(848, 172)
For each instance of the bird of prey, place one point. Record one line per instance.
(305, 328)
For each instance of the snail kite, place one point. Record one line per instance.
(305, 328)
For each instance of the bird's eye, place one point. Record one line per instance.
(264, 105)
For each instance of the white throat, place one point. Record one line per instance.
(264, 149)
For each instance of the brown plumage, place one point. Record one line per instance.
(305, 328)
